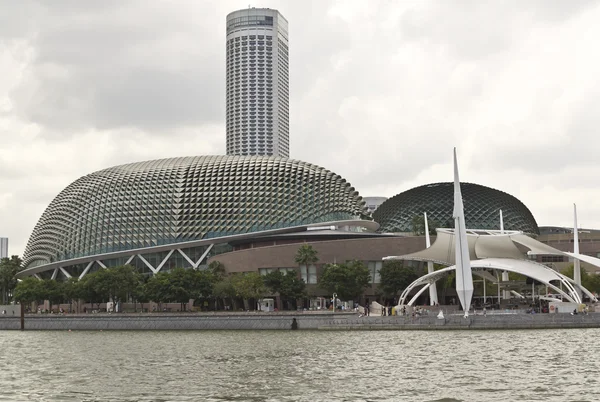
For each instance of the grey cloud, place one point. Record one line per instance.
(314, 37)
(109, 70)
(554, 152)
(557, 10)
(148, 99)
(474, 29)
(380, 98)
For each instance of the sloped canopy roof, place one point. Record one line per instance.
(538, 272)
(482, 244)
(585, 258)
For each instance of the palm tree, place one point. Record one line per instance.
(306, 256)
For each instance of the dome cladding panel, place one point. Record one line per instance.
(182, 199)
(481, 205)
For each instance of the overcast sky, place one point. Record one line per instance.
(384, 88)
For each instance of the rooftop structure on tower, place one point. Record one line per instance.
(257, 82)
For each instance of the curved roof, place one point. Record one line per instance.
(481, 244)
(176, 200)
(481, 206)
(558, 282)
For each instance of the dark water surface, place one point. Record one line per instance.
(546, 365)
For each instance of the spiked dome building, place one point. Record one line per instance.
(249, 212)
(481, 209)
(490, 255)
(178, 212)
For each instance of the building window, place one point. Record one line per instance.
(552, 258)
(374, 268)
(310, 275)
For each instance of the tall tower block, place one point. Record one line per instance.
(3, 247)
(257, 98)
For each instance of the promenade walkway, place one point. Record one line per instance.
(304, 320)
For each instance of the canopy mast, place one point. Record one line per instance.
(464, 278)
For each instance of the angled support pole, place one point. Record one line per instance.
(86, 270)
(433, 296)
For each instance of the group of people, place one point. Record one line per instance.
(60, 311)
(366, 310)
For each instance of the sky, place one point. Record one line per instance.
(381, 92)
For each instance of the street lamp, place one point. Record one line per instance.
(333, 303)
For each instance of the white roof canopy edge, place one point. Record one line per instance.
(486, 244)
(536, 271)
(464, 276)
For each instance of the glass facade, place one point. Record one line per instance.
(309, 275)
(251, 20)
(481, 204)
(374, 268)
(168, 201)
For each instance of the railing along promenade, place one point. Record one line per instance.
(308, 320)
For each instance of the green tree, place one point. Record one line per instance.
(589, 281)
(180, 286)
(594, 283)
(289, 286)
(217, 269)
(224, 290)
(348, 280)
(248, 286)
(292, 289)
(158, 288)
(28, 290)
(117, 283)
(8, 269)
(53, 291)
(140, 295)
(203, 283)
(395, 277)
(73, 290)
(418, 225)
(274, 281)
(306, 255)
(447, 283)
(91, 289)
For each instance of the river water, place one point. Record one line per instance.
(548, 365)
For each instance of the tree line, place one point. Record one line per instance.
(212, 286)
(9, 267)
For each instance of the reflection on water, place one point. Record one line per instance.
(549, 365)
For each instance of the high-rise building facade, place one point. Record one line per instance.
(3, 247)
(257, 83)
(373, 203)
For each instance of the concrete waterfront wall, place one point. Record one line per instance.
(250, 321)
(458, 322)
(10, 310)
(165, 321)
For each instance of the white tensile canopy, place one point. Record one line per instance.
(557, 282)
(482, 244)
(500, 251)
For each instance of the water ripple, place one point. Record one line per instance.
(553, 365)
